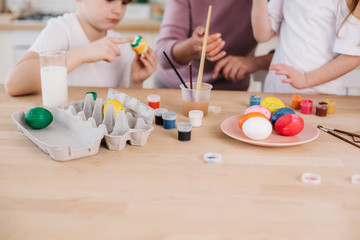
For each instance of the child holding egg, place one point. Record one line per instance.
(318, 43)
(96, 55)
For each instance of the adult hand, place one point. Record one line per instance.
(185, 51)
(295, 78)
(143, 66)
(235, 68)
(104, 49)
(214, 44)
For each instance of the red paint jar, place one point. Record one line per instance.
(306, 106)
(153, 101)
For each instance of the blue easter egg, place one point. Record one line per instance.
(279, 113)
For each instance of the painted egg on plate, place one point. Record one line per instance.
(280, 112)
(272, 103)
(247, 116)
(260, 109)
(289, 124)
(257, 128)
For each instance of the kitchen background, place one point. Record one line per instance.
(22, 20)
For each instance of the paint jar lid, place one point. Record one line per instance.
(169, 116)
(255, 97)
(311, 178)
(355, 179)
(212, 157)
(159, 111)
(196, 114)
(322, 105)
(153, 98)
(214, 109)
(306, 103)
(184, 127)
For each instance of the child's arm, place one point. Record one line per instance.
(332, 70)
(24, 76)
(260, 21)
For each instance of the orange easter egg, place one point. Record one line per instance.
(249, 115)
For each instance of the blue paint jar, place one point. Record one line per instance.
(169, 119)
(255, 100)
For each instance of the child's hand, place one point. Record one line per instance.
(104, 49)
(214, 44)
(295, 78)
(143, 66)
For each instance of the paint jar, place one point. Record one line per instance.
(153, 101)
(196, 117)
(184, 131)
(158, 116)
(255, 100)
(296, 101)
(306, 106)
(321, 109)
(169, 119)
(331, 105)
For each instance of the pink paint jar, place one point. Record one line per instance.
(306, 106)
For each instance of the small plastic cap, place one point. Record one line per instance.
(212, 157)
(159, 111)
(153, 98)
(184, 127)
(311, 178)
(169, 116)
(196, 114)
(355, 179)
(214, 109)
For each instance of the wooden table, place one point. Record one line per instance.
(164, 190)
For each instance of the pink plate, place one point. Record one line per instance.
(310, 132)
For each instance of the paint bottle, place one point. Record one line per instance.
(321, 109)
(306, 106)
(184, 131)
(296, 101)
(331, 105)
(158, 116)
(196, 117)
(169, 119)
(255, 100)
(153, 101)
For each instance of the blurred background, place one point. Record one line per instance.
(22, 20)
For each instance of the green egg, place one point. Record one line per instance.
(38, 118)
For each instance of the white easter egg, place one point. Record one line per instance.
(257, 128)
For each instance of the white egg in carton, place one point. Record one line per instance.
(132, 125)
(78, 128)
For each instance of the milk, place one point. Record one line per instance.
(54, 86)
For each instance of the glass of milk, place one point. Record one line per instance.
(53, 70)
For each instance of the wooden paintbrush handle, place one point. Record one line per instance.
(344, 139)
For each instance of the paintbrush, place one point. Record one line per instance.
(172, 65)
(327, 130)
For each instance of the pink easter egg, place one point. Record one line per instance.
(260, 109)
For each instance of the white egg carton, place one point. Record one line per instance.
(78, 128)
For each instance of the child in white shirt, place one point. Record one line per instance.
(96, 55)
(319, 41)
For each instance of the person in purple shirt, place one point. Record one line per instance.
(229, 52)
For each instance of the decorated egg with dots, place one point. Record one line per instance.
(257, 128)
(280, 112)
(272, 103)
(139, 44)
(247, 116)
(260, 109)
(289, 124)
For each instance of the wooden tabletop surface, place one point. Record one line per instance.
(165, 191)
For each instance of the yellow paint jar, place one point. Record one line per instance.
(331, 105)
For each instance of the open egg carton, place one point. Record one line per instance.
(79, 127)
(132, 125)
